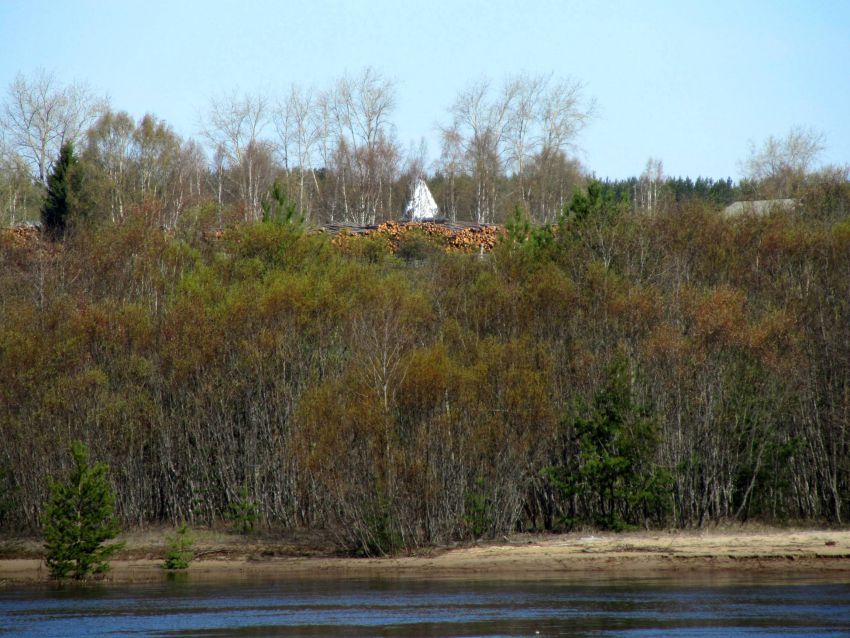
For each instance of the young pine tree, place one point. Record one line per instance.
(278, 208)
(179, 549)
(242, 513)
(79, 518)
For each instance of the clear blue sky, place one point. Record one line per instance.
(687, 82)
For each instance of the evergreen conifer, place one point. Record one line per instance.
(79, 518)
(54, 211)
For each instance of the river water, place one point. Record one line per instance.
(595, 607)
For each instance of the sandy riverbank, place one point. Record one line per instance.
(627, 554)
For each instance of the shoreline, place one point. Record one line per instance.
(707, 554)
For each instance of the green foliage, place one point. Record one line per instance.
(518, 227)
(7, 489)
(522, 233)
(278, 208)
(415, 248)
(615, 439)
(179, 550)
(274, 246)
(197, 220)
(57, 204)
(79, 518)
(242, 513)
(524, 248)
(374, 249)
(380, 535)
(598, 204)
(477, 515)
(21, 196)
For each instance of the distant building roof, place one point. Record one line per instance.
(759, 206)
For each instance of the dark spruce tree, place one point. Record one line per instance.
(79, 518)
(54, 212)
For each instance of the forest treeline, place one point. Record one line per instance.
(613, 369)
(333, 147)
(335, 151)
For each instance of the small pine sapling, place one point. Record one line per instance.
(179, 550)
(79, 518)
(242, 513)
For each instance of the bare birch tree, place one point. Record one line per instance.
(530, 122)
(562, 112)
(234, 125)
(451, 164)
(521, 123)
(40, 114)
(365, 156)
(20, 196)
(110, 148)
(481, 121)
(649, 185)
(132, 161)
(779, 165)
(300, 126)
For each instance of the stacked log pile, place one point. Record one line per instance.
(453, 236)
(24, 248)
(20, 236)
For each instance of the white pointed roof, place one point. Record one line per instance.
(421, 204)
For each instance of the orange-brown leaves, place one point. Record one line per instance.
(667, 349)
(719, 317)
(775, 339)
(344, 428)
(639, 308)
(429, 384)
